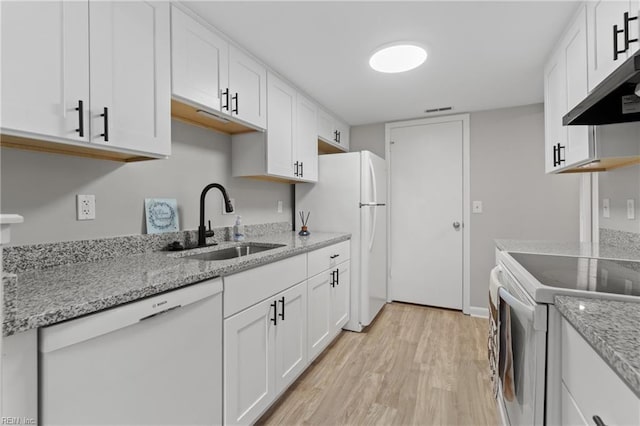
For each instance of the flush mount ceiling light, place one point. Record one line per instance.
(398, 57)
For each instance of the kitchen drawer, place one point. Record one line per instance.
(594, 386)
(249, 287)
(328, 257)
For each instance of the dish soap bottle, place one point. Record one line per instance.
(238, 229)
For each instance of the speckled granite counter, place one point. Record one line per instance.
(601, 251)
(41, 297)
(612, 328)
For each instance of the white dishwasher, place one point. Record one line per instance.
(157, 361)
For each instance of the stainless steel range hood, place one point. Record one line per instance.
(612, 101)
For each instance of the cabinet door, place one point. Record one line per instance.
(280, 121)
(555, 105)
(602, 15)
(319, 313)
(340, 297)
(574, 49)
(291, 335)
(343, 134)
(326, 127)
(130, 75)
(199, 63)
(634, 27)
(307, 139)
(45, 68)
(249, 383)
(247, 88)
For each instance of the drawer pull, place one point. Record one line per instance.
(333, 256)
(282, 313)
(598, 421)
(274, 320)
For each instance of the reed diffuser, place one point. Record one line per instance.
(304, 231)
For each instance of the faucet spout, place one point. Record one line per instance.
(203, 233)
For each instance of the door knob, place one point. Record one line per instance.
(456, 225)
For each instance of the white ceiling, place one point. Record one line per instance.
(482, 55)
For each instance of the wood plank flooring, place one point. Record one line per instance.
(415, 365)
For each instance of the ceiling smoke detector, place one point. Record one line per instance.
(398, 57)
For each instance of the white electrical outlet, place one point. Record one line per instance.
(233, 203)
(477, 207)
(631, 209)
(606, 212)
(86, 207)
(279, 206)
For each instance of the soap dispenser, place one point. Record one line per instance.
(238, 229)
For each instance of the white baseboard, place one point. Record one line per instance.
(475, 311)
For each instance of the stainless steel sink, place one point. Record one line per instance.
(233, 252)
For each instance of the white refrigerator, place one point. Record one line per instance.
(351, 196)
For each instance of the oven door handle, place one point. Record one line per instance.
(517, 305)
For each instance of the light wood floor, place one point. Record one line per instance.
(414, 366)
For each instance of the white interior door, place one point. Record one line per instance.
(426, 214)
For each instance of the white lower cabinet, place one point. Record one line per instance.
(20, 377)
(328, 294)
(591, 389)
(275, 327)
(265, 350)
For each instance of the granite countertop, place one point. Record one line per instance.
(612, 328)
(40, 297)
(574, 249)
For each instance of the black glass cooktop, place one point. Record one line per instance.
(582, 273)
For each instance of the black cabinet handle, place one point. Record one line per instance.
(301, 169)
(274, 320)
(555, 155)
(561, 150)
(105, 114)
(235, 98)
(335, 137)
(598, 421)
(337, 276)
(226, 97)
(80, 110)
(282, 313)
(558, 150)
(296, 168)
(617, 51)
(333, 256)
(628, 40)
(332, 282)
(339, 137)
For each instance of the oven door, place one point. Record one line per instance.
(522, 340)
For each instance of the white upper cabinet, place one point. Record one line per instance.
(247, 88)
(87, 78)
(333, 131)
(609, 44)
(281, 122)
(45, 69)
(199, 63)
(213, 75)
(306, 140)
(565, 85)
(130, 75)
(287, 151)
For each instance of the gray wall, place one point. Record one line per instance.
(507, 175)
(619, 186)
(369, 137)
(42, 187)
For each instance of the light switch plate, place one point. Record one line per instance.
(606, 211)
(477, 207)
(631, 209)
(86, 207)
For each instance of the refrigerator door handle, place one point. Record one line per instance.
(372, 233)
(373, 181)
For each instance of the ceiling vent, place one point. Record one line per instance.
(438, 109)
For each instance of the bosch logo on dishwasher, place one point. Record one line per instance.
(157, 305)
